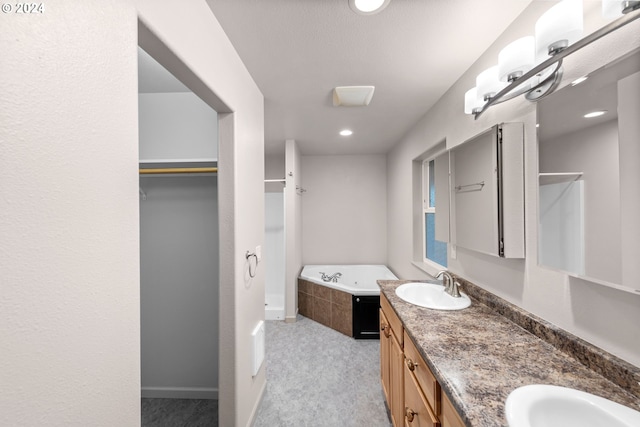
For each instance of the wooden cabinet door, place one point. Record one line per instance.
(426, 380)
(385, 361)
(397, 382)
(417, 412)
(450, 417)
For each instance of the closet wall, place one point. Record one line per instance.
(176, 126)
(179, 249)
(274, 237)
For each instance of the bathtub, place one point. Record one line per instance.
(355, 279)
(350, 305)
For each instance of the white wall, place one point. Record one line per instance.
(274, 165)
(344, 209)
(177, 126)
(179, 250)
(179, 305)
(603, 316)
(69, 316)
(274, 249)
(70, 242)
(215, 72)
(293, 227)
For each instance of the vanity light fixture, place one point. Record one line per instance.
(346, 132)
(595, 114)
(516, 59)
(488, 83)
(558, 27)
(532, 66)
(613, 9)
(368, 7)
(472, 102)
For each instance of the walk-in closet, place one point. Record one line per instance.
(274, 242)
(179, 244)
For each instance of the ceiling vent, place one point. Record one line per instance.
(352, 96)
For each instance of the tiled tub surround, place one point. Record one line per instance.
(479, 355)
(330, 307)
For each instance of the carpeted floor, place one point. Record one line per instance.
(316, 377)
(179, 413)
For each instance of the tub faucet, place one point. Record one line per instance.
(333, 278)
(450, 285)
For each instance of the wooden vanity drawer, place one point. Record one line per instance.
(417, 411)
(424, 376)
(392, 318)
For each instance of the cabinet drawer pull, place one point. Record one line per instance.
(410, 413)
(411, 364)
(386, 330)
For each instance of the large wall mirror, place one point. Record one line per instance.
(589, 176)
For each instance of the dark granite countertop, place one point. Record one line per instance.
(478, 357)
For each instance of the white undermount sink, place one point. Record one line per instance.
(431, 295)
(552, 406)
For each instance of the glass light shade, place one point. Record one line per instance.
(488, 83)
(612, 8)
(472, 101)
(558, 28)
(368, 7)
(517, 58)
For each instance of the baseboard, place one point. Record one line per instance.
(292, 319)
(254, 412)
(180, 393)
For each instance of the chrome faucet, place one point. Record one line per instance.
(450, 285)
(333, 278)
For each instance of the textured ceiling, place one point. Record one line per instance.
(298, 50)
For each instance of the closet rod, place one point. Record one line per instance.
(155, 171)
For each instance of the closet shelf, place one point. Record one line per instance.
(177, 161)
(555, 178)
(178, 166)
(159, 171)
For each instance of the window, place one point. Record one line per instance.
(434, 250)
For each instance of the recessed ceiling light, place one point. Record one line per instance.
(594, 114)
(367, 7)
(346, 132)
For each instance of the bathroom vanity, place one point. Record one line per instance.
(411, 389)
(456, 368)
